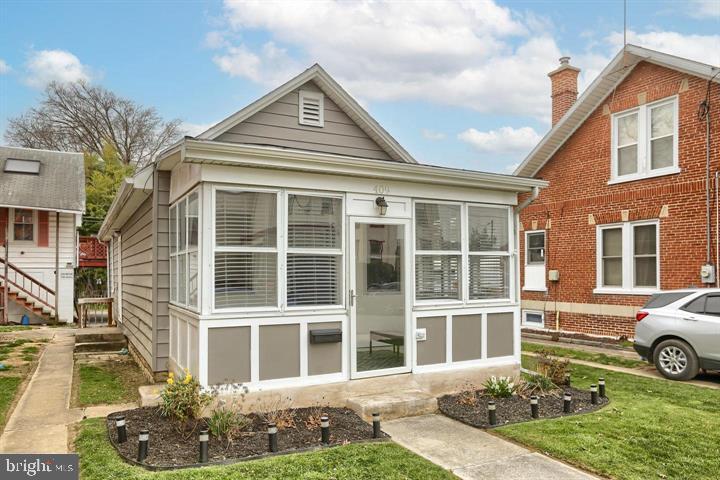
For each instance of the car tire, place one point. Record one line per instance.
(676, 360)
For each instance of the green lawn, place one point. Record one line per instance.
(13, 328)
(102, 384)
(8, 388)
(574, 354)
(99, 461)
(651, 429)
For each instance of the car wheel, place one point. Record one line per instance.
(675, 360)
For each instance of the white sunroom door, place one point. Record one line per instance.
(379, 297)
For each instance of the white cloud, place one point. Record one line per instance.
(453, 53)
(503, 141)
(432, 135)
(4, 67)
(701, 48)
(215, 40)
(194, 129)
(702, 9)
(47, 66)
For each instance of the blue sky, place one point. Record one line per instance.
(458, 84)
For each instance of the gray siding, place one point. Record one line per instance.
(161, 269)
(278, 125)
(137, 279)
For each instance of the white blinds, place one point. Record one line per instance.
(246, 249)
(488, 253)
(437, 226)
(245, 219)
(489, 277)
(314, 259)
(437, 277)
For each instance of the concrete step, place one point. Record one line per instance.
(406, 403)
(106, 346)
(99, 334)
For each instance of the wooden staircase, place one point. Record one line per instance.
(25, 290)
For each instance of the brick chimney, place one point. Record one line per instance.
(564, 88)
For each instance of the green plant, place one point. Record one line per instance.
(500, 387)
(227, 422)
(183, 399)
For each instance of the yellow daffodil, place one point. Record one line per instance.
(170, 381)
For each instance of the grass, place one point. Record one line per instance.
(651, 429)
(574, 354)
(8, 388)
(103, 383)
(99, 461)
(13, 328)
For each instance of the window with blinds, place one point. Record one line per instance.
(438, 251)
(184, 228)
(314, 255)
(488, 253)
(246, 255)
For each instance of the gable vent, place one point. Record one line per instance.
(310, 106)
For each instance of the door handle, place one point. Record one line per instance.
(690, 319)
(352, 298)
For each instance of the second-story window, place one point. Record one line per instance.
(23, 227)
(644, 141)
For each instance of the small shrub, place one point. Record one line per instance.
(539, 385)
(499, 387)
(315, 413)
(553, 368)
(226, 422)
(277, 410)
(468, 395)
(183, 399)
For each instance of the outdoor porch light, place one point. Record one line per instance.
(382, 205)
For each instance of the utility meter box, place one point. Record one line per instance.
(554, 275)
(707, 273)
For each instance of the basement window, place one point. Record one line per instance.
(310, 108)
(17, 165)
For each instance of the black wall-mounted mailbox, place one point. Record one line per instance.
(326, 335)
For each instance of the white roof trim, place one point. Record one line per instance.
(611, 76)
(333, 90)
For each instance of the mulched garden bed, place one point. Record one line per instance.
(170, 448)
(514, 409)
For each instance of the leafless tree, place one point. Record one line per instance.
(83, 117)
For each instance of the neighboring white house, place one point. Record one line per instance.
(296, 243)
(42, 199)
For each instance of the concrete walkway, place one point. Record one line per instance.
(40, 419)
(615, 352)
(474, 454)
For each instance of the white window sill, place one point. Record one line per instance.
(535, 289)
(632, 178)
(622, 291)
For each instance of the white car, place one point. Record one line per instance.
(679, 331)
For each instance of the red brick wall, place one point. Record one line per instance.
(578, 175)
(563, 91)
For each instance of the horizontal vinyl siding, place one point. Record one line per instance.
(161, 268)
(27, 255)
(278, 125)
(137, 311)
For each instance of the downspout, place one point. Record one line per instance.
(57, 265)
(533, 196)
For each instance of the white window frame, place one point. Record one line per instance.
(172, 256)
(527, 247)
(465, 253)
(460, 253)
(281, 249)
(525, 323)
(314, 251)
(643, 142)
(302, 95)
(628, 259)
(11, 222)
(490, 253)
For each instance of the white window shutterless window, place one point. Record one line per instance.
(535, 261)
(645, 141)
(628, 258)
(23, 225)
(246, 249)
(184, 229)
(438, 251)
(488, 253)
(314, 251)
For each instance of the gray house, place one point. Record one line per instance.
(297, 244)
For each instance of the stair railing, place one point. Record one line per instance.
(28, 285)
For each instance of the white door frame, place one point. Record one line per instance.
(352, 287)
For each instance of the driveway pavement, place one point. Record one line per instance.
(474, 454)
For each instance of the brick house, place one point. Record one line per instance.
(631, 208)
